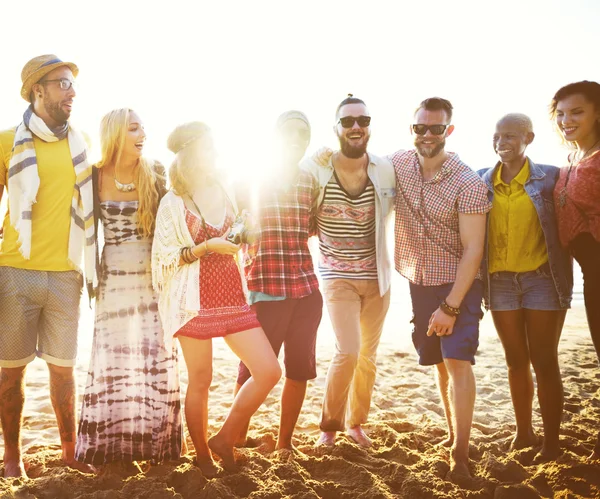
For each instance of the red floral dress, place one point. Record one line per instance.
(223, 307)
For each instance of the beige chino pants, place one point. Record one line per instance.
(357, 313)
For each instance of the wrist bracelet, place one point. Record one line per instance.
(187, 255)
(182, 254)
(448, 310)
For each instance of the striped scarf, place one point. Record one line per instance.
(24, 182)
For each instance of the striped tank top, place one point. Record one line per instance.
(346, 227)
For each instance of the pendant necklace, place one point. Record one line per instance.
(562, 196)
(123, 187)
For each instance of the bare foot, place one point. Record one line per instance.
(14, 469)
(327, 439)
(459, 468)
(87, 468)
(546, 455)
(524, 441)
(207, 466)
(358, 436)
(285, 446)
(447, 442)
(225, 452)
(242, 441)
(595, 455)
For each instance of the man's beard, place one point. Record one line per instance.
(431, 153)
(353, 152)
(56, 112)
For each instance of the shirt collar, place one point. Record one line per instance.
(521, 177)
(447, 167)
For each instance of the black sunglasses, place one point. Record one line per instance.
(434, 129)
(348, 121)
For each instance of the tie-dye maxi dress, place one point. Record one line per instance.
(131, 406)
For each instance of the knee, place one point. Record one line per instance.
(346, 360)
(517, 361)
(12, 374)
(200, 379)
(545, 365)
(368, 351)
(458, 368)
(60, 371)
(269, 373)
(368, 360)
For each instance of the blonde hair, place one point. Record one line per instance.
(113, 129)
(178, 140)
(522, 120)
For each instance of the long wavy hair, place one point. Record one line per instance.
(113, 129)
(589, 89)
(182, 166)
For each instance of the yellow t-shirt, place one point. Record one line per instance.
(51, 214)
(516, 239)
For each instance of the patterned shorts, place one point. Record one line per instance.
(39, 312)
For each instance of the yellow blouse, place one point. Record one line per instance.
(516, 239)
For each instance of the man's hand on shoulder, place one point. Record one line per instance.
(322, 156)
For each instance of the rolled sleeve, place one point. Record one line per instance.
(473, 198)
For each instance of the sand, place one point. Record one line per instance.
(406, 423)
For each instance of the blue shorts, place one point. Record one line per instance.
(533, 290)
(464, 340)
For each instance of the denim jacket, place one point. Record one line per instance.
(540, 188)
(382, 176)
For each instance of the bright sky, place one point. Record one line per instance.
(238, 64)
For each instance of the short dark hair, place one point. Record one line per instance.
(436, 104)
(589, 89)
(349, 100)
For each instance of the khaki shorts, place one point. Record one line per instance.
(39, 313)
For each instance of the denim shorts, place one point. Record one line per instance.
(463, 342)
(534, 290)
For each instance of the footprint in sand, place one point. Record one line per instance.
(573, 408)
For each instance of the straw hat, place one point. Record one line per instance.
(37, 68)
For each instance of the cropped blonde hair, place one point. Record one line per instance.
(178, 140)
(149, 175)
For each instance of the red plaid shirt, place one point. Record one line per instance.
(281, 264)
(428, 247)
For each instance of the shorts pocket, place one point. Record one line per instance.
(475, 310)
(544, 271)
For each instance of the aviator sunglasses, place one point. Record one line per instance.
(348, 121)
(434, 129)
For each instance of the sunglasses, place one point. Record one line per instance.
(348, 121)
(434, 129)
(63, 83)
